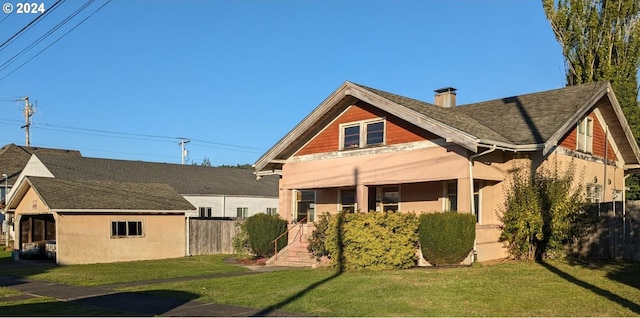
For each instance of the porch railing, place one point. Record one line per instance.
(275, 242)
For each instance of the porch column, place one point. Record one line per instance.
(464, 196)
(362, 198)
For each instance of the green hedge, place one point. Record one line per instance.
(261, 230)
(373, 241)
(447, 238)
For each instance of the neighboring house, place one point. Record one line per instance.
(210, 192)
(13, 158)
(100, 221)
(364, 149)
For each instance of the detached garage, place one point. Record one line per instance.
(99, 221)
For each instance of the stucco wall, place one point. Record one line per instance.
(87, 238)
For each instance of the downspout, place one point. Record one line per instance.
(188, 233)
(624, 209)
(472, 203)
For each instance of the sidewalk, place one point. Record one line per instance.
(137, 303)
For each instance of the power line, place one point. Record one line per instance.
(56, 41)
(30, 24)
(44, 36)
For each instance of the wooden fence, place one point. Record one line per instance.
(617, 234)
(211, 236)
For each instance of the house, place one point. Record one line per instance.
(13, 158)
(99, 221)
(56, 197)
(364, 149)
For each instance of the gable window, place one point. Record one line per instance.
(584, 137)
(348, 200)
(390, 199)
(451, 196)
(126, 229)
(362, 134)
(242, 212)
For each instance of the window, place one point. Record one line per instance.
(375, 133)
(351, 137)
(362, 134)
(205, 212)
(594, 193)
(348, 200)
(451, 196)
(477, 204)
(305, 205)
(272, 211)
(584, 138)
(242, 212)
(126, 229)
(390, 199)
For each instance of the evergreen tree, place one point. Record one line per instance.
(600, 41)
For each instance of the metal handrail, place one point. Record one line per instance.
(275, 242)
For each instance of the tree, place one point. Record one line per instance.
(600, 41)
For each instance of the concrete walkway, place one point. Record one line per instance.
(138, 304)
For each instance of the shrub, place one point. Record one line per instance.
(373, 241)
(543, 212)
(317, 239)
(446, 238)
(261, 230)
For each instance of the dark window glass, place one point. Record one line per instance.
(375, 133)
(351, 137)
(348, 200)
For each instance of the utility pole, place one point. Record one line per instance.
(184, 152)
(28, 111)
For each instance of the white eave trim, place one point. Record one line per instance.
(125, 211)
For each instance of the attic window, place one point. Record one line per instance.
(362, 134)
(584, 138)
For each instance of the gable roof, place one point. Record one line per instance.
(185, 179)
(13, 158)
(63, 195)
(526, 122)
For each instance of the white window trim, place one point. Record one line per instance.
(445, 194)
(587, 140)
(363, 132)
(479, 206)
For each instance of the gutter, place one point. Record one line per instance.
(472, 203)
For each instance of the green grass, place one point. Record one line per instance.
(114, 273)
(509, 289)
(514, 289)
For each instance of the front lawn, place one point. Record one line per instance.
(512, 289)
(114, 273)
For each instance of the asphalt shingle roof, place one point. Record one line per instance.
(185, 179)
(61, 194)
(13, 158)
(520, 120)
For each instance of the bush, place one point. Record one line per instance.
(543, 212)
(446, 238)
(261, 230)
(373, 241)
(318, 237)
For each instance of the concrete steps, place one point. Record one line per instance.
(295, 255)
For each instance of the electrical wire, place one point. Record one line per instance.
(24, 51)
(56, 41)
(30, 24)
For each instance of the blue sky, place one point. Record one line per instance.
(236, 76)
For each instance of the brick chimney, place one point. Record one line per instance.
(445, 97)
